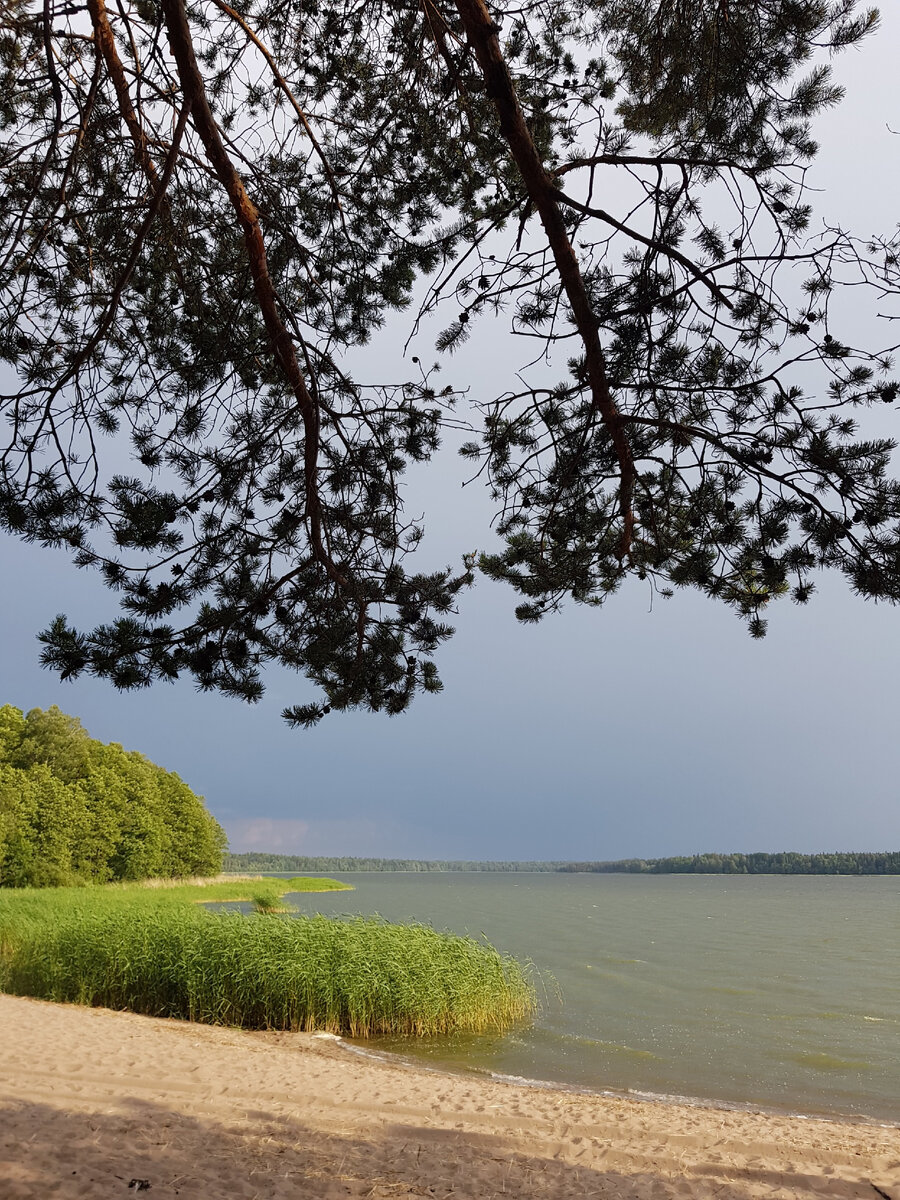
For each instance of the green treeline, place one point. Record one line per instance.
(73, 810)
(785, 862)
(782, 863)
(253, 861)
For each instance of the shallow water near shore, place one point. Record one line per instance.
(780, 992)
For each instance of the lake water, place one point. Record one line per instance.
(780, 992)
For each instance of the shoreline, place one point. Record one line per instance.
(94, 1101)
(577, 1089)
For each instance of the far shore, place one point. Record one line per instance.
(98, 1104)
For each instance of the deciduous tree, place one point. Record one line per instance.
(75, 810)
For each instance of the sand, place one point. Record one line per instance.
(98, 1104)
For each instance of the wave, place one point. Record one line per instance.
(818, 1060)
(414, 1063)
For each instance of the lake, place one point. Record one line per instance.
(780, 992)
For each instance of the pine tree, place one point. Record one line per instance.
(207, 207)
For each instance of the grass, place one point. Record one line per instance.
(156, 951)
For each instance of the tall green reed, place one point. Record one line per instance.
(154, 951)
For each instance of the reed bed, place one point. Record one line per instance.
(155, 951)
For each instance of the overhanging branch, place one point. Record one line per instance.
(482, 35)
(247, 214)
(653, 244)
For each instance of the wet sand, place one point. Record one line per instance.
(96, 1104)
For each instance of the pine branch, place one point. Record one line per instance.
(482, 35)
(248, 217)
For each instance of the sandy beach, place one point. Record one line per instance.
(104, 1104)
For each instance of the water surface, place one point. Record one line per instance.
(774, 991)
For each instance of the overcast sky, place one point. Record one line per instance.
(596, 734)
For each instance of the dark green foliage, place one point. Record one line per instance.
(73, 809)
(719, 78)
(845, 862)
(254, 861)
(714, 438)
(782, 863)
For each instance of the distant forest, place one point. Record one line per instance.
(783, 863)
(240, 863)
